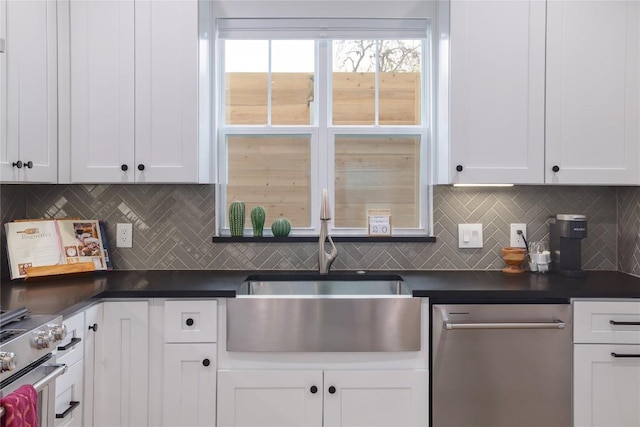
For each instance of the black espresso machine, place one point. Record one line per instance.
(566, 232)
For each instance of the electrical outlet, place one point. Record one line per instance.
(124, 235)
(517, 240)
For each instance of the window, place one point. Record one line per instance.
(337, 104)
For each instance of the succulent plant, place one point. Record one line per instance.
(236, 219)
(281, 227)
(257, 220)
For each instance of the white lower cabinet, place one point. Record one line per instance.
(266, 398)
(189, 390)
(329, 398)
(606, 384)
(376, 398)
(606, 363)
(68, 404)
(121, 377)
(92, 319)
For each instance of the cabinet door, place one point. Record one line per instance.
(269, 398)
(93, 320)
(31, 92)
(376, 398)
(593, 91)
(606, 389)
(166, 34)
(69, 397)
(102, 91)
(189, 385)
(497, 91)
(121, 374)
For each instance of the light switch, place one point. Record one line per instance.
(470, 236)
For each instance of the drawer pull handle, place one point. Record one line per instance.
(625, 355)
(613, 322)
(72, 405)
(71, 343)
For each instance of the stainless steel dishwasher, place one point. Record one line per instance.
(501, 365)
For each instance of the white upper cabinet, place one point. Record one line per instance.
(167, 90)
(593, 91)
(134, 91)
(102, 91)
(497, 91)
(28, 85)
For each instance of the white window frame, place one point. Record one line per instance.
(322, 165)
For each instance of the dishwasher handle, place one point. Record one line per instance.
(556, 324)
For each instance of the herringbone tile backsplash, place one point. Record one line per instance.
(629, 230)
(173, 226)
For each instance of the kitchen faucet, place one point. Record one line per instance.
(325, 259)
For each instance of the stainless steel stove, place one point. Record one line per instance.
(27, 356)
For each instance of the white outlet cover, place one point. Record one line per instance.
(516, 240)
(124, 237)
(470, 236)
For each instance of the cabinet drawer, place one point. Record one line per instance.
(608, 322)
(71, 349)
(68, 392)
(190, 321)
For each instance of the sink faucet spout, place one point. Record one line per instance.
(325, 259)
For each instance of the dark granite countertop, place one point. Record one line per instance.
(65, 295)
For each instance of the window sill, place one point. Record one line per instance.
(314, 239)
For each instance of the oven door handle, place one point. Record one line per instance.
(41, 384)
(60, 369)
(506, 325)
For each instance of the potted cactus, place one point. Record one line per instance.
(236, 219)
(257, 220)
(281, 227)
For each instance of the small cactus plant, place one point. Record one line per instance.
(281, 227)
(236, 219)
(257, 220)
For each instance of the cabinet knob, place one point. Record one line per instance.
(124, 168)
(29, 164)
(206, 362)
(313, 389)
(556, 168)
(459, 168)
(189, 321)
(94, 327)
(332, 389)
(17, 164)
(140, 167)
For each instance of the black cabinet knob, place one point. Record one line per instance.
(29, 164)
(206, 362)
(556, 168)
(94, 327)
(313, 389)
(17, 164)
(140, 167)
(332, 389)
(459, 168)
(189, 321)
(124, 168)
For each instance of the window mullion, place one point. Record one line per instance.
(376, 86)
(322, 164)
(269, 85)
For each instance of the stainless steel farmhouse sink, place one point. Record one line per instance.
(323, 313)
(342, 286)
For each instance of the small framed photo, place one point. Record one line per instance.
(379, 222)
